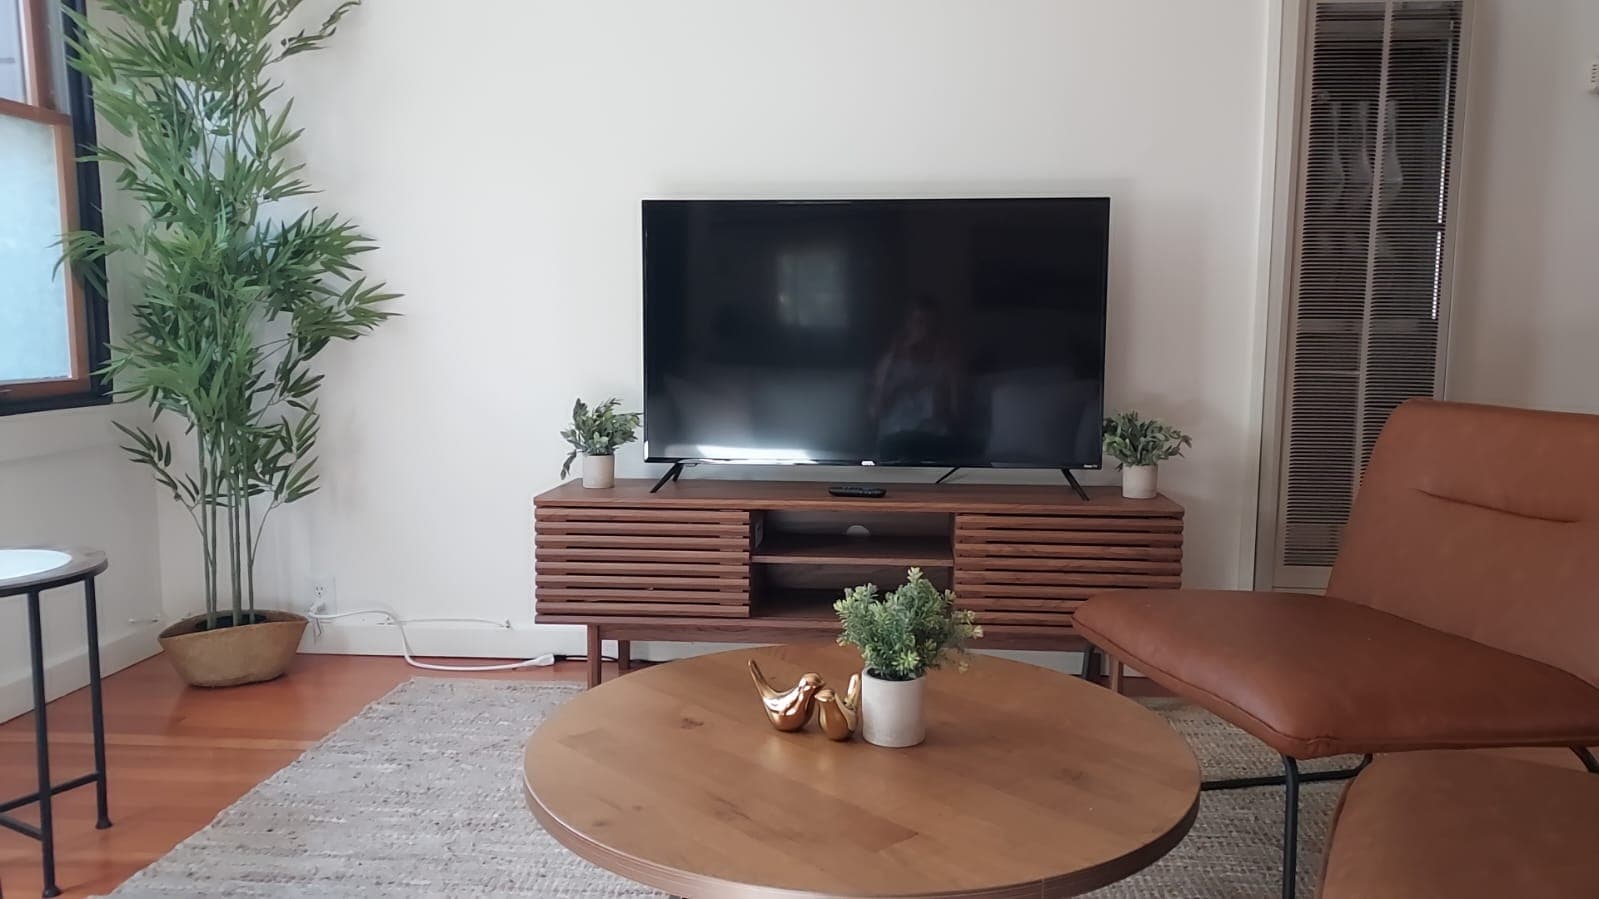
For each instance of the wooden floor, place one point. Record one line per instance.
(177, 756)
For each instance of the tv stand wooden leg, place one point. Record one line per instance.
(596, 655)
(1115, 673)
(624, 656)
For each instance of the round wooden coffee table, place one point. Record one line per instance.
(1031, 783)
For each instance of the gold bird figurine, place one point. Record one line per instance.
(789, 710)
(840, 715)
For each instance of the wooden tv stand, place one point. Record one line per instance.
(732, 561)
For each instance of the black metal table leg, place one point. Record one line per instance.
(79, 568)
(96, 705)
(41, 740)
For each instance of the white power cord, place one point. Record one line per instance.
(317, 618)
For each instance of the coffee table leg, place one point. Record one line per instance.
(1115, 673)
(624, 656)
(595, 655)
(96, 703)
(41, 743)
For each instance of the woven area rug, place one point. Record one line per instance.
(420, 795)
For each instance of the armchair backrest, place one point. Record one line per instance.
(1483, 522)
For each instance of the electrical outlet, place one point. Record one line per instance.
(322, 598)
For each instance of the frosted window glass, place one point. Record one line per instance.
(35, 341)
(11, 80)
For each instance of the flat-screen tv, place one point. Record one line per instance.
(949, 332)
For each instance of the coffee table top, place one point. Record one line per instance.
(1031, 783)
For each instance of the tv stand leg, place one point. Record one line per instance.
(1076, 487)
(945, 476)
(596, 655)
(671, 475)
(1090, 670)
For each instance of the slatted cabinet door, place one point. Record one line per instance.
(1036, 569)
(638, 561)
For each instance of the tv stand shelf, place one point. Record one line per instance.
(762, 561)
(825, 549)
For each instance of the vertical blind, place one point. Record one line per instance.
(1368, 293)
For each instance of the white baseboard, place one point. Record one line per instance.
(527, 640)
(65, 674)
(1070, 662)
(521, 641)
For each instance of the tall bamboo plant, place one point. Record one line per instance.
(233, 295)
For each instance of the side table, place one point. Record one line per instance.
(29, 571)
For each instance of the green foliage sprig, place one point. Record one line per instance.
(907, 632)
(1131, 440)
(598, 431)
(232, 299)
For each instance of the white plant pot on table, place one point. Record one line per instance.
(892, 711)
(1138, 481)
(599, 471)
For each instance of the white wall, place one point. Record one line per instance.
(499, 158)
(63, 481)
(1526, 314)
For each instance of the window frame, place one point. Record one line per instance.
(87, 314)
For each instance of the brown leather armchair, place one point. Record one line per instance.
(1463, 610)
(1466, 825)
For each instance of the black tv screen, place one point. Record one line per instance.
(965, 332)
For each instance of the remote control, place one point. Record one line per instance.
(857, 490)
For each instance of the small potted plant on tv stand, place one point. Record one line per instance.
(1140, 445)
(596, 433)
(901, 636)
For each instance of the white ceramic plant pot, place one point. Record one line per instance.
(599, 471)
(1138, 481)
(892, 711)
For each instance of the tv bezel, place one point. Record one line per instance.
(1104, 294)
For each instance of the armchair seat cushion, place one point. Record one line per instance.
(1464, 825)
(1313, 676)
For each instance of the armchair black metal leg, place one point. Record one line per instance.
(96, 705)
(41, 732)
(1588, 761)
(1290, 825)
(1278, 780)
(1289, 780)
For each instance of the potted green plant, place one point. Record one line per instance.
(1139, 445)
(596, 433)
(901, 636)
(232, 296)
